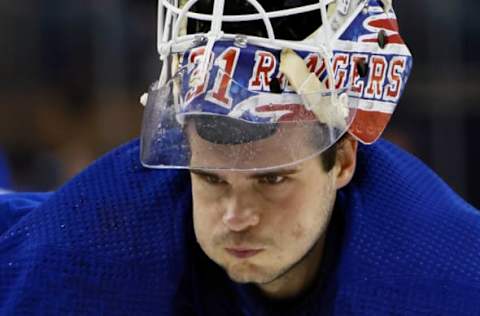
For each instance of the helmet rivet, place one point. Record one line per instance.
(382, 39)
(199, 40)
(240, 41)
(362, 68)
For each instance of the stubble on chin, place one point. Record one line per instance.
(248, 272)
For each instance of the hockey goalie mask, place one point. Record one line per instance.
(231, 96)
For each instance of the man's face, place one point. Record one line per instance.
(258, 226)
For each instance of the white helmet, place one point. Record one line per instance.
(256, 84)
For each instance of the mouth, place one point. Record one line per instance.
(241, 253)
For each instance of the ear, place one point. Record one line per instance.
(345, 161)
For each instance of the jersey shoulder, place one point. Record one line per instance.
(15, 205)
(108, 242)
(409, 238)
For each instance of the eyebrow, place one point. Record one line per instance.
(259, 174)
(204, 173)
(277, 172)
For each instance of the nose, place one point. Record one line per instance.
(240, 214)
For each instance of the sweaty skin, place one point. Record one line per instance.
(268, 228)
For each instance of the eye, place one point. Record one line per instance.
(272, 179)
(212, 179)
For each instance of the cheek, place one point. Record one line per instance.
(205, 218)
(298, 231)
(201, 220)
(205, 215)
(286, 217)
(304, 214)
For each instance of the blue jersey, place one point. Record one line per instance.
(118, 240)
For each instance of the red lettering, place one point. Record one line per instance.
(315, 64)
(265, 63)
(357, 84)
(378, 68)
(196, 87)
(227, 63)
(397, 66)
(340, 68)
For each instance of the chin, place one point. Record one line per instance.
(248, 278)
(247, 272)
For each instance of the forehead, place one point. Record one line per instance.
(290, 144)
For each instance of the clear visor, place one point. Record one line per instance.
(221, 125)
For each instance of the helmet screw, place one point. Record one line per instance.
(382, 39)
(240, 41)
(199, 40)
(362, 67)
